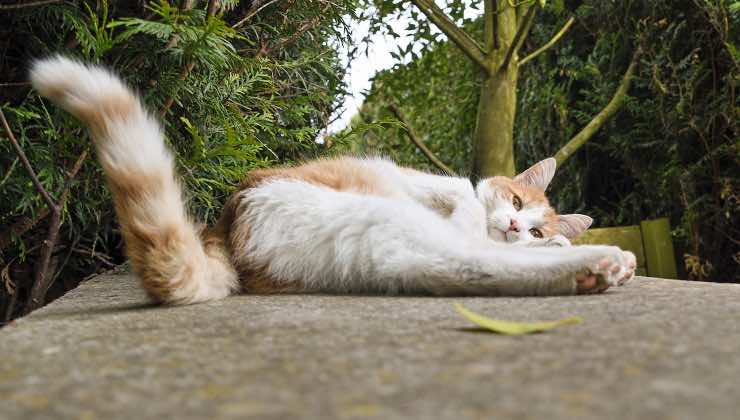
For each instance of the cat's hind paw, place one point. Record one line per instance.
(613, 270)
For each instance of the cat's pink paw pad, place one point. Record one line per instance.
(614, 270)
(589, 282)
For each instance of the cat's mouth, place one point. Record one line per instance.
(511, 236)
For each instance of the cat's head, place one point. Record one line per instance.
(518, 210)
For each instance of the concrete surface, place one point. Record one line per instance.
(655, 349)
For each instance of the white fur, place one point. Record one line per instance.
(135, 143)
(132, 143)
(320, 239)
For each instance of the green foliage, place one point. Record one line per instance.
(381, 15)
(438, 94)
(672, 150)
(236, 95)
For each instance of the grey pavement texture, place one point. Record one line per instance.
(655, 349)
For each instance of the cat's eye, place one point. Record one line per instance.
(536, 232)
(517, 202)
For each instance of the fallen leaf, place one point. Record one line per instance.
(514, 328)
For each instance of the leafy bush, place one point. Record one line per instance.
(248, 84)
(672, 150)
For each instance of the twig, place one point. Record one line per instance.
(100, 257)
(256, 7)
(11, 307)
(9, 172)
(35, 179)
(519, 37)
(27, 4)
(43, 278)
(286, 42)
(603, 116)
(24, 224)
(549, 43)
(70, 176)
(11, 84)
(414, 137)
(65, 260)
(21, 226)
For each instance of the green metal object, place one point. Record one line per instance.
(625, 237)
(650, 241)
(656, 240)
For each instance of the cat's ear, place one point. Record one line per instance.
(572, 225)
(538, 175)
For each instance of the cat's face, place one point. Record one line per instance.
(518, 210)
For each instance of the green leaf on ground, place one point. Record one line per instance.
(513, 328)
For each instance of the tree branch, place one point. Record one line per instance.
(213, 7)
(458, 36)
(24, 159)
(42, 276)
(255, 8)
(490, 25)
(549, 43)
(288, 41)
(70, 176)
(603, 116)
(521, 34)
(414, 137)
(21, 226)
(27, 4)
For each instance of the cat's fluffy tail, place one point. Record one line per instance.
(164, 246)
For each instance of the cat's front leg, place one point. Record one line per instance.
(555, 241)
(596, 268)
(469, 216)
(614, 269)
(521, 271)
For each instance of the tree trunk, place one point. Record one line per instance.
(493, 151)
(493, 142)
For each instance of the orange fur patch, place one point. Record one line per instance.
(343, 174)
(110, 108)
(531, 197)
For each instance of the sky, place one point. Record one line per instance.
(379, 58)
(364, 67)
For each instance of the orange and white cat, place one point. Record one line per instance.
(338, 225)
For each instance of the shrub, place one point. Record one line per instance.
(239, 85)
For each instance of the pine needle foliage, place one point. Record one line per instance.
(252, 85)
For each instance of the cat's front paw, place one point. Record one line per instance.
(557, 241)
(615, 269)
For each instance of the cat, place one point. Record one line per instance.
(342, 225)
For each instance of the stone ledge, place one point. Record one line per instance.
(655, 349)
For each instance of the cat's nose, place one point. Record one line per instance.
(513, 226)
